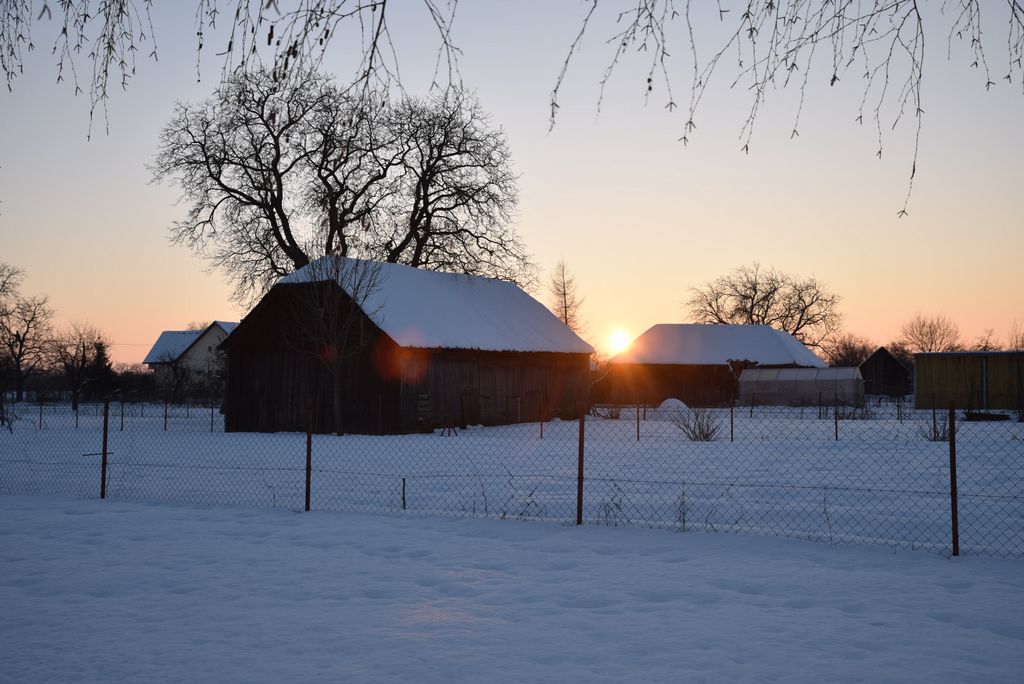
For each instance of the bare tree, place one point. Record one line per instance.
(565, 300)
(930, 334)
(332, 297)
(283, 36)
(75, 352)
(279, 173)
(986, 341)
(236, 161)
(1015, 339)
(198, 325)
(26, 338)
(847, 350)
(765, 47)
(768, 47)
(803, 307)
(10, 281)
(174, 378)
(459, 192)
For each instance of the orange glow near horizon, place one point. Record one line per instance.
(618, 340)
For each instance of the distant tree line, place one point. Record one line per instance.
(807, 309)
(40, 361)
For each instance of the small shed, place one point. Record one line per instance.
(801, 387)
(970, 380)
(423, 349)
(696, 363)
(885, 375)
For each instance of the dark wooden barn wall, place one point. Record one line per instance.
(274, 375)
(883, 374)
(460, 387)
(652, 384)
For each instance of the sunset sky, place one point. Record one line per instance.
(638, 217)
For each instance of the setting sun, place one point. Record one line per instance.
(618, 340)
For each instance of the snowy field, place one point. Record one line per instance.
(108, 591)
(783, 474)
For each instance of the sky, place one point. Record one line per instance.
(638, 217)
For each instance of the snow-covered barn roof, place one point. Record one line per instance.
(706, 344)
(173, 343)
(432, 310)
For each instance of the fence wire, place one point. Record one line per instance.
(879, 474)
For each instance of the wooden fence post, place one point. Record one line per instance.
(953, 502)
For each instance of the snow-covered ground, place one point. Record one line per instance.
(107, 591)
(883, 482)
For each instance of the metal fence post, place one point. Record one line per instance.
(165, 415)
(122, 416)
(211, 416)
(953, 502)
(103, 463)
(579, 469)
(40, 416)
(835, 410)
(638, 422)
(403, 493)
(732, 422)
(309, 451)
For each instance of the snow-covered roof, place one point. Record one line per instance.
(431, 310)
(173, 343)
(706, 344)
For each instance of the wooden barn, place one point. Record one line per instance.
(380, 348)
(698, 364)
(884, 375)
(970, 380)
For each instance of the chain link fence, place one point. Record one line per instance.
(881, 474)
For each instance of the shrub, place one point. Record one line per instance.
(699, 425)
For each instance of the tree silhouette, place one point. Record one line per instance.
(803, 307)
(565, 300)
(278, 173)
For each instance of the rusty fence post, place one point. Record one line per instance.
(103, 462)
(579, 469)
(953, 501)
